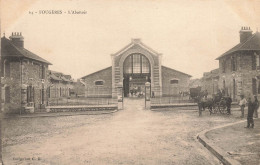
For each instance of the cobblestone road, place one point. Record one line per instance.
(131, 136)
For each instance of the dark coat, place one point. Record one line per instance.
(228, 100)
(251, 108)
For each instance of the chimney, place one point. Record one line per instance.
(17, 39)
(245, 33)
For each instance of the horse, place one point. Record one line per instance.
(204, 103)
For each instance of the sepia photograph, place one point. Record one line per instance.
(132, 82)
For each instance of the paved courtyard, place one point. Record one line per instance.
(130, 136)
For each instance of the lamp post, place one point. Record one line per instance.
(147, 92)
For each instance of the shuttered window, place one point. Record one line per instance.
(7, 94)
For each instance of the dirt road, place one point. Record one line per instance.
(131, 136)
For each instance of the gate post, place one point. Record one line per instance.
(147, 92)
(120, 97)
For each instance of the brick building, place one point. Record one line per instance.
(134, 65)
(61, 85)
(210, 81)
(239, 67)
(24, 76)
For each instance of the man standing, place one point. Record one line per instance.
(228, 102)
(251, 108)
(256, 107)
(242, 104)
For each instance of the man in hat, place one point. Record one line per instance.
(251, 108)
(256, 106)
(228, 103)
(242, 104)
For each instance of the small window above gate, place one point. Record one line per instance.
(174, 81)
(99, 82)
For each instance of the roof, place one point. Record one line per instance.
(212, 74)
(58, 76)
(176, 71)
(11, 50)
(52, 76)
(136, 42)
(252, 43)
(110, 67)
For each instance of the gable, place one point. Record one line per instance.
(252, 43)
(167, 69)
(10, 50)
(138, 45)
(100, 72)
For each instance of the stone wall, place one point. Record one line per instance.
(60, 89)
(105, 90)
(14, 83)
(239, 81)
(169, 89)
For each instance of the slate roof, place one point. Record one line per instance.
(11, 50)
(252, 43)
(110, 67)
(52, 76)
(58, 76)
(176, 71)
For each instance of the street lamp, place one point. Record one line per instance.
(147, 92)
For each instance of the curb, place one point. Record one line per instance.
(58, 115)
(216, 151)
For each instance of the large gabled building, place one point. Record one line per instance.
(133, 66)
(24, 76)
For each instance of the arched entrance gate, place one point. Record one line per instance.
(136, 72)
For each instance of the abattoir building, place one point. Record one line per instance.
(134, 65)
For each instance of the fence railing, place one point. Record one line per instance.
(172, 100)
(80, 101)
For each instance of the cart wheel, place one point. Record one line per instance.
(214, 109)
(222, 109)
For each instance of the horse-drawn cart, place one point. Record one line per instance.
(214, 105)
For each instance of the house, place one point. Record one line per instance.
(61, 85)
(24, 76)
(133, 66)
(210, 81)
(239, 67)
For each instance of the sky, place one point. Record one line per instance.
(190, 34)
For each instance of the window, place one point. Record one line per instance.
(254, 86)
(42, 96)
(257, 61)
(43, 72)
(233, 64)
(99, 82)
(253, 62)
(30, 94)
(224, 66)
(145, 65)
(7, 69)
(128, 65)
(258, 91)
(174, 81)
(3, 94)
(7, 94)
(136, 64)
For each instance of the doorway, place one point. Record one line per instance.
(136, 72)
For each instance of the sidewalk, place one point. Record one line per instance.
(56, 114)
(234, 144)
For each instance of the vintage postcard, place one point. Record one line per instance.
(130, 82)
